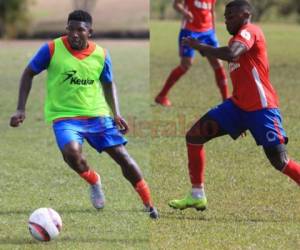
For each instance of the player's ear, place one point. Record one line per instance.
(90, 32)
(246, 15)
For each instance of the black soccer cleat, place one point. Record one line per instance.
(153, 213)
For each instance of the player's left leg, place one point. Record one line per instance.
(266, 127)
(104, 136)
(220, 76)
(279, 159)
(133, 174)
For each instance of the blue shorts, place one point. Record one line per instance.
(265, 125)
(100, 132)
(208, 37)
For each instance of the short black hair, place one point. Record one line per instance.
(81, 16)
(242, 4)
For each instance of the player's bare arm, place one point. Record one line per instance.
(111, 96)
(229, 53)
(179, 7)
(25, 85)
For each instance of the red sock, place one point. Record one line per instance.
(90, 176)
(144, 192)
(196, 161)
(292, 170)
(172, 79)
(221, 80)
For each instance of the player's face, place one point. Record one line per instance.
(234, 19)
(78, 34)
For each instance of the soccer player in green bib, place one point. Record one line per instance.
(80, 97)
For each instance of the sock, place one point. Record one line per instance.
(143, 190)
(292, 170)
(221, 80)
(90, 176)
(196, 163)
(198, 193)
(172, 79)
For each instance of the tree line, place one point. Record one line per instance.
(162, 9)
(15, 17)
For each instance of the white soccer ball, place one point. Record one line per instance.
(44, 224)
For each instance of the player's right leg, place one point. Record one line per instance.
(219, 121)
(202, 131)
(69, 139)
(186, 60)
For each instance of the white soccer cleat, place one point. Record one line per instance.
(97, 196)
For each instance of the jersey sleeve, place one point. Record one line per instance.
(41, 59)
(245, 36)
(107, 72)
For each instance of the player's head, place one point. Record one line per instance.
(79, 29)
(237, 13)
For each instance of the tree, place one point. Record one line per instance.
(159, 7)
(13, 17)
(86, 5)
(289, 6)
(261, 7)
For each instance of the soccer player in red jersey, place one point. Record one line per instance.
(253, 105)
(198, 22)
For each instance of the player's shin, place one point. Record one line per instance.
(143, 190)
(172, 79)
(90, 176)
(196, 164)
(292, 170)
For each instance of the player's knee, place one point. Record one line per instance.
(277, 156)
(194, 138)
(204, 130)
(73, 157)
(278, 164)
(186, 65)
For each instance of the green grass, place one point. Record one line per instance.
(251, 206)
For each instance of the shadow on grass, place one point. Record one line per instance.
(71, 210)
(62, 240)
(179, 215)
(29, 211)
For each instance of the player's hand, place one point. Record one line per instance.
(121, 124)
(191, 42)
(17, 118)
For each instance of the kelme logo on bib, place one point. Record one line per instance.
(70, 76)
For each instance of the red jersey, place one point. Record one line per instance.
(202, 13)
(252, 89)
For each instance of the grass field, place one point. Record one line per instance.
(251, 206)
